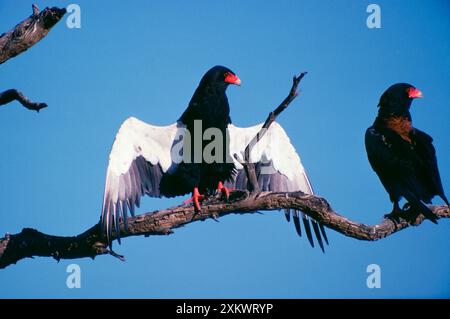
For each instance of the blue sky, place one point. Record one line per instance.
(145, 59)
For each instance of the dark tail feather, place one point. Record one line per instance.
(287, 213)
(297, 223)
(420, 207)
(324, 234)
(317, 233)
(444, 199)
(307, 229)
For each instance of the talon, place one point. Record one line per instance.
(394, 217)
(396, 214)
(196, 198)
(224, 190)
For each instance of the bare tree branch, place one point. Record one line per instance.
(249, 167)
(21, 38)
(12, 94)
(28, 32)
(30, 242)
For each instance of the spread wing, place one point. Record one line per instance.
(141, 153)
(278, 169)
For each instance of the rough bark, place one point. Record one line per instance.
(19, 39)
(30, 242)
(28, 32)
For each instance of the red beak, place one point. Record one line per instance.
(232, 79)
(414, 93)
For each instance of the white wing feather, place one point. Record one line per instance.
(137, 147)
(275, 147)
(280, 169)
(141, 153)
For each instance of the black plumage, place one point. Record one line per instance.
(209, 104)
(403, 157)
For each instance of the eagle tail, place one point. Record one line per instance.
(420, 207)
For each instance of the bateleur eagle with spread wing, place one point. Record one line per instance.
(157, 160)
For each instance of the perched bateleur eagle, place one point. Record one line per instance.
(177, 159)
(403, 156)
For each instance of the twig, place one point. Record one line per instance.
(28, 32)
(249, 167)
(19, 39)
(11, 95)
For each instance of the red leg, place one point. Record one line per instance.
(224, 190)
(196, 198)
